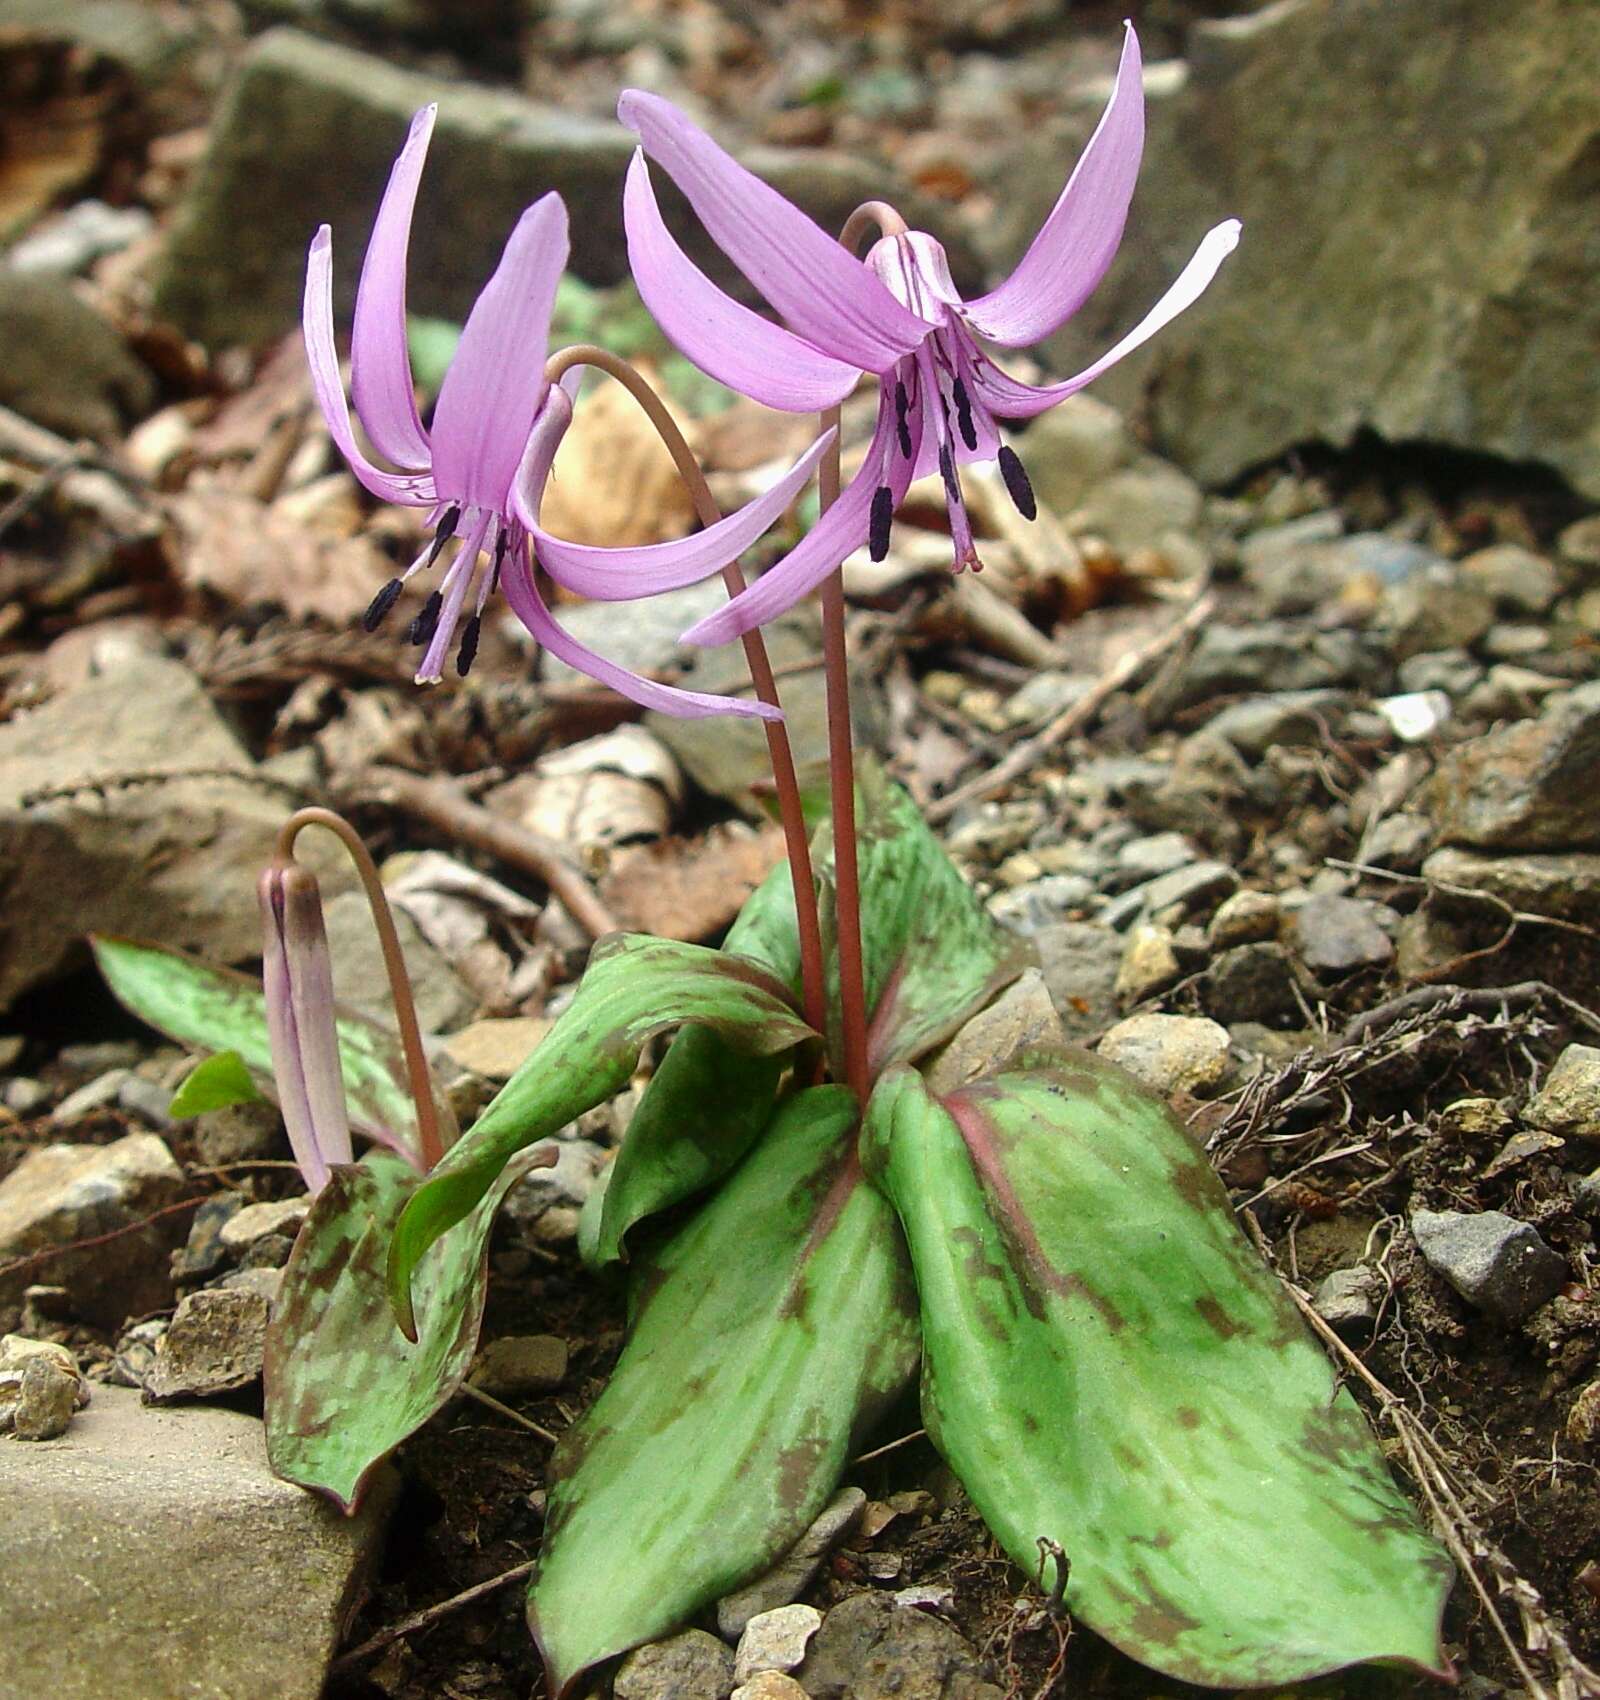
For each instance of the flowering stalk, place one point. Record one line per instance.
(298, 976)
(779, 751)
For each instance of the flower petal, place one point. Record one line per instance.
(1076, 243)
(412, 489)
(721, 336)
(528, 605)
(822, 291)
(619, 575)
(380, 362)
(840, 530)
(1014, 400)
(495, 384)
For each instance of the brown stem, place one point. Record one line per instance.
(779, 750)
(418, 1076)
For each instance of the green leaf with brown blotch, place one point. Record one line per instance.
(217, 1009)
(1109, 1365)
(768, 1332)
(633, 988)
(343, 1388)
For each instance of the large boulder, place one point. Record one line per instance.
(306, 136)
(1416, 181)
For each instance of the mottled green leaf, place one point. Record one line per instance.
(634, 988)
(214, 1083)
(1109, 1365)
(214, 1009)
(343, 1387)
(768, 1331)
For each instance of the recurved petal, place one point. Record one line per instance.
(721, 336)
(1013, 400)
(380, 363)
(619, 575)
(824, 293)
(841, 529)
(1076, 243)
(529, 607)
(413, 489)
(495, 384)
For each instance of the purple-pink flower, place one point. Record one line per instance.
(896, 313)
(480, 471)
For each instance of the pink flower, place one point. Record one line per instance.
(896, 313)
(480, 472)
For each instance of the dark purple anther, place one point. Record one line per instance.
(969, 433)
(878, 526)
(1011, 469)
(422, 628)
(468, 652)
(378, 608)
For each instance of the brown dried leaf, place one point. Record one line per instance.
(690, 888)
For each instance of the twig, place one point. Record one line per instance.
(893, 1446)
(104, 782)
(1472, 1000)
(421, 1619)
(50, 1253)
(1078, 714)
(442, 806)
(500, 1408)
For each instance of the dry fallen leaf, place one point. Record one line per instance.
(690, 888)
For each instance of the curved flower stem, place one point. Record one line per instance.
(418, 1077)
(814, 1001)
(841, 758)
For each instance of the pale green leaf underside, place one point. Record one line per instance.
(1109, 1365)
(214, 1083)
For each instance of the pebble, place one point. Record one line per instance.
(1160, 853)
(520, 1363)
(238, 1133)
(213, 1345)
(1450, 673)
(1515, 578)
(1284, 717)
(543, 1207)
(790, 1575)
(99, 1094)
(770, 1685)
(1248, 917)
(1474, 1118)
(1415, 716)
(1079, 960)
(38, 1409)
(690, 1666)
(1583, 1415)
(775, 1640)
(1339, 935)
(244, 1228)
(1493, 1261)
(870, 1648)
(203, 1253)
(1347, 1299)
(1169, 1053)
(1399, 841)
(1149, 964)
(496, 1049)
(1030, 908)
(1569, 1101)
(47, 1395)
(1251, 982)
(1432, 610)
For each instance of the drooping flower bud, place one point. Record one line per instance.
(298, 974)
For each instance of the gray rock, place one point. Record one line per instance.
(1433, 610)
(1498, 1264)
(871, 1649)
(1513, 643)
(775, 1640)
(1528, 786)
(204, 1253)
(90, 1098)
(61, 1194)
(1023, 1014)
(1251, 982)
(1339, 935)
(1149, 964)
(1285, 717)
(1514, 578)
(1347, 1299)
(1187, 891)
(1169, 1053)
(1402, 338)
(1030, 908)
(1452, 671)
(239, 1133)
(1569, 1101)
(1298, 580)
(46, 1400)
(1509, 692)
(1158, 853)
(1079, 961)
(444, 1001)
(216, 1567)
(214, 1345)
(170, 860)
(1248, 917)
(298, 102)
(1567, 886)
(543, 1207)
(1269, 655)
(1399, 841)
(789, 1577)
(520, 1363)
(66, 367)
(245, 1228)
(690, 1666)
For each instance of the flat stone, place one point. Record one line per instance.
(1569, 1101)
(1169, 1053)
(239, 1133)
(1268, 655)
(1500, 1265)
(244, 1227)
(1023, 1014)
(775, 1640)
(1251, 982)
(1566, 885)
(1189, 890)
(67, 367)
(174, 861)
(203, 1252)
(1285, 717)
(166, 1531)
(520, 1363)
(1433, 610)
(1528, 786)
(497, 1048)
(1339, 935)
(1079, 961)
(1514, 578)
(214, 1345)
(869, 1648)
(1149, 964)
(1248, 917)
(1399, 841)
(789, 1577)
(61, 1194)
(690, 1666)
(770, 1685)
(1347, 1299)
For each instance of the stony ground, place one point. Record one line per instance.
(1289, 782)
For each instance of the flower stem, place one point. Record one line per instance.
(814, 998)
(418, 1077)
